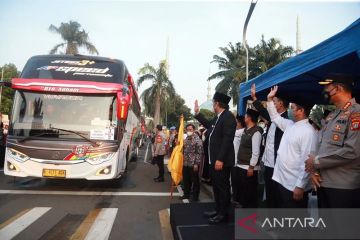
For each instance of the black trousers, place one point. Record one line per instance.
(206, 167)
(286, 199)
(221, 187)
(248, 187)
(235, 184)
(191, 182)
(160, 162)
(338, 198)
(271, 188)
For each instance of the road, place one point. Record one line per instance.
(134, 208)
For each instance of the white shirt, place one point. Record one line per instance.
(269, 152)
(269, 155)
(237, 139)
(298, 141)
(255, 147)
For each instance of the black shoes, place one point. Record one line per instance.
(210, 214)
(217, 219)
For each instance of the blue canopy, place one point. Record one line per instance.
(299, 75)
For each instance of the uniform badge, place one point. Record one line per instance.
(336, 137)
(355, 121)
(344, 116)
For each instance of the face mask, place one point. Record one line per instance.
(326, 96)
(189, 133)
(291, 115)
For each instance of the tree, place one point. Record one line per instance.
(175, 108)
(232, 66)
(74, 38)
(268, 54)
(7, 95)
(232, 70)
(161, 89)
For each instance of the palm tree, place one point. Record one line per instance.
(74, 38)
(262, 57)
(232, 70)
(268, 54)
(161, 89)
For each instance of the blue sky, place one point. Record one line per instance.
(136, 32)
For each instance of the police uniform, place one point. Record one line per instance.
(159, 153)
(338, 158)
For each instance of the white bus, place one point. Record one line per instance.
(73, 117)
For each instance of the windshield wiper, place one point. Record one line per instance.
(38, 135)
(94, 144)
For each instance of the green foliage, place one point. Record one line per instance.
(175, 108)
(232, 66)
(74, 38)
(10, 71)
(155, 97)
(209, 115)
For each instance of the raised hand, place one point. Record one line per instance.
(272, 93)
(253, 92)
(196, 107)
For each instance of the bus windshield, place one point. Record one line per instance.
(45, 115)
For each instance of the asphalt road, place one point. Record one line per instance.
(76, 209)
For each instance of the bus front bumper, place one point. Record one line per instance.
(82, 170)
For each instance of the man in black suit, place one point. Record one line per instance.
(272, 142)
(221, 154)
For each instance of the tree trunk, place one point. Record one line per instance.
(157, 110)
(71, 48)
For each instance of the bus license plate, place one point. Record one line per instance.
(54, 173)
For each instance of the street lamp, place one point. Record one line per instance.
(251, 9)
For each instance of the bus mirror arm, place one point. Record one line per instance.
(5, 84)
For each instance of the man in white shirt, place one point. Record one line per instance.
(298, 141)
(272, 142)
(248, 160)
(240, 126)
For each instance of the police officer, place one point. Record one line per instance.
(335, 170)
(159, 150)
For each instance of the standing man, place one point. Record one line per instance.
(235, 171)
(159, 152)
(335, 170)
(272, 143)
(248, 160)
(193, 153)
(298, 141)
(221, 154)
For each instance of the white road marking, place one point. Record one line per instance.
(77, 193)
(14, 228)
(181, 193)
(101, 228)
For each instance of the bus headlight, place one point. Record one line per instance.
(100, 158)
(18, 156)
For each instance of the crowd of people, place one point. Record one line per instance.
(295, 156)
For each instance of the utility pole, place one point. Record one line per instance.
(251, 9)
(2, 79)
